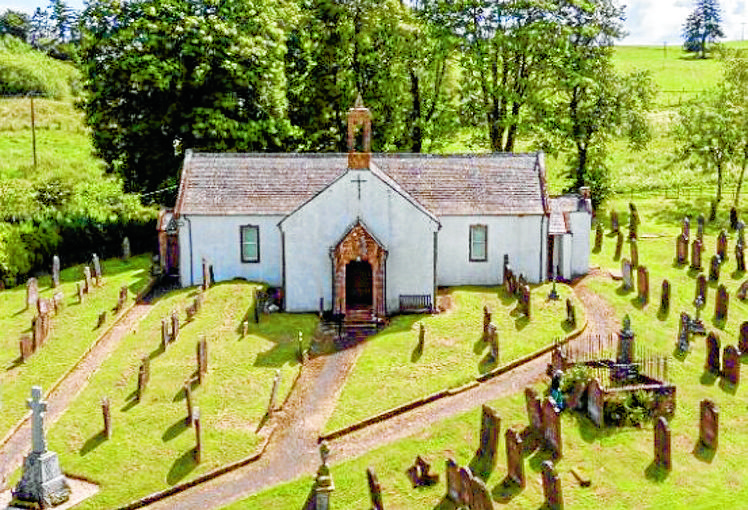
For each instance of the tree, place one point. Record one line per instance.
(62, 18)
(15, 23)
(735, 67)
(166, 75)
(702, 26)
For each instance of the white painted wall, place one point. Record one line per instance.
(564, 244)
(524, 238)
(317, 227)
(581, 225)
(217, 239)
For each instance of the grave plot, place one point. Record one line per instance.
(453, 351)
(72, 328)
(152, 441)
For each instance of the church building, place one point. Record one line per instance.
(378, 232)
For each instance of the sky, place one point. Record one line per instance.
(648, 22)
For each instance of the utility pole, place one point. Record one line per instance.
(33, 130)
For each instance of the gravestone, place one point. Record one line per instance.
(696, 255)
(551, 487)
(626, 346)
(743, 290)
(493, 342)
(32, 292)
(188, 402)
(323, 484)
(164, 333)
(107, 415)
(633, 221)
(722, 245)
(662, 444)
(681, 249)
(87, 280)
(174, 326)
(96, 268)
(721, 303)
(490, 426)
(552, 430)
(198, 452)
(614, 226)
(102, 320)
(480, 498)
(642, 284)
(685, 229)
(626, 271)
(466, 489)
(571, 316)
(665, 297)
(712, 354)
(634, 251)
(486, 322)
(206, 275)
(55, 271)
(202, 359)
(700, 228)
(595, 402)
(714, 266)
(79, 289)
(421, 336)
(743, 339)
(144, 374)
(619, 246)
(733, 218)
(274, 392)
(26, 346)
(598, 237)
(709, 424)
(684, 330)
(57, 301)
(534, 410)
(454, 483)
(420, 473)
(126, 248)
(121, 299)
(576, 395)
(514, 457)
(739, 258)
(375, 490)
(731, 365)
(701, 289)
(525, 300)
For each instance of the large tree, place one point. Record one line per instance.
(167, 75)
(15, 23)
(702, 26)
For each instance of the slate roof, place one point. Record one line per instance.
(560, 208)
(242, 183)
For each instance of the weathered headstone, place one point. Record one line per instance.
(701, 288)
(164, 333)
(126, 248)
(571, 316)
(681, 249)
(486, 322)
(534, 410)
(514, 457)
(481, 497)
(420, 473)
(32, 292)
(174, 326)
(733, 218)
(696, 255)
(206, 275)
(709, 424)
(714, 266)
(274, 391)
(626, 271)
(57, 301)
(490, 427)
(633, 221)
(642, 284)
(421, 337)
(740, 258)
(96, 268)
(684, 331)
(685, 229)
(198, 452)
(107, 415)
(454, 484)
(187, 388)
(619, 246)
(731, 365)
(375, 490)
(552, 430)
(700, 228)
(551, 487)
(102, 320)
(576, 395)
(493, 342)
(598, 237)
(143, 376)
(662, 444)
(721, 303)
(79, 289)
(121, 299)
(87, 280)
(722, 245)
(665, 297)
(595, 402)
(743, 290)
(712, 353)
(743, 339)
(614, 222)
(525, 300)
(202, 359)
(466, 489)
(27, 347)
(55, 271)
(634, 251)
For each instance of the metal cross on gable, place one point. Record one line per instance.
(38, 408)
(358, 180)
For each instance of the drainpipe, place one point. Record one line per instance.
(543, 239)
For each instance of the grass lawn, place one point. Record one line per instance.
(151, 448)
(72, 331)
(454, 353)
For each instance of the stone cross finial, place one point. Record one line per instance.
(627, 324)
(324, 452)
(38, 408)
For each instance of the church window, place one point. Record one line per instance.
(478, 243)
(250, 243)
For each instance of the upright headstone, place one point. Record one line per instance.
(685, 229)
(534, 410)
(598, 237)
(681, 249)
(633, 221)
(626, 271)
(700, 228)
(525, 299)
(731, 365)
(684, 331)
(696, 255)
(701, 289)
(490, 427)
(202, 359)
(514, 457)
(662, 444)
(709, 424)
(486, 322)
(493, 343)
(714, 266)
(107, 414)
(143, 377)
(454, 484)
(739, 258)
(126, 248)
(595, 402)
(552, 430)
(634, 251)
(375, 490)
(27, 347)
(721, 303)
(480, 497)
(55, 271)
(88, 281)
(712, 353)
(665, 296)
(79, 290)
(198, 452)
(571, 316)
(466, 489)
(188, 402)
(614, 226)
(733, 218)
(722, 245)
(642, 284)
(174, 326)
(206, 275)
(551, 487)
(164, 333)
(42, 483)
(32, 292)
(619, 246)
(96, 268)
(421, 336)
(743, 339)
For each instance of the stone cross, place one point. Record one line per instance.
(38, 408)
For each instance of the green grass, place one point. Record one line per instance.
(151, 449)
(616, 459)
(72, 331)
(454, 353)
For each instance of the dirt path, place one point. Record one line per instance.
(19, 444)
(294, 451)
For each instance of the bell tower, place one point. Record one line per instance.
(359, 135)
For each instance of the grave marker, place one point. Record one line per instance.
(709, 424)
(642, 284)
(743, 290)
(598, 237)
(466, 489)
(571, 316)
(420, 473)
(634, 251)
(55, 271)
(743, 340)
(614, 222)
(32, 292)
(534, 412)
(514, 457)
(696, 255)
(375, 490)
(595, 402)
(733, 218)
(626, 271)
(684, 329)
(489, 434)
(206, 275)
(722, 245)
(421, 337)
(552, 430)
(712, 353)
(665, 297)
(126, 248)
(731, 365)
(107, 415)
(454, 483)
(633, 221)
(681, 249)
(662, 444)
(274, 391)
(102, 320)
(714, 266)
(188, 402)
(739, 258)
(79, 289)
(198, 452)
(551, 487)
(96, 268)
(619, 246)
(143, 376)
(722, 303)
(701, 289)
(88, 282)
(26, 346)
(174, 326)
(164, 333)
(493, 342)
(486, 322)
(700, 228)
(480, 495)
(685, 229)
(202, 359)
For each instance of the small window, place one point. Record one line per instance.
(478, 243)
(250, 243)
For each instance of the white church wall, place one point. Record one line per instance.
(218, 240)
(565, 255)
(581, 225)
(316, 228)
(524, 238)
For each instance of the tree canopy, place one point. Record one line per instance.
(702, 26)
